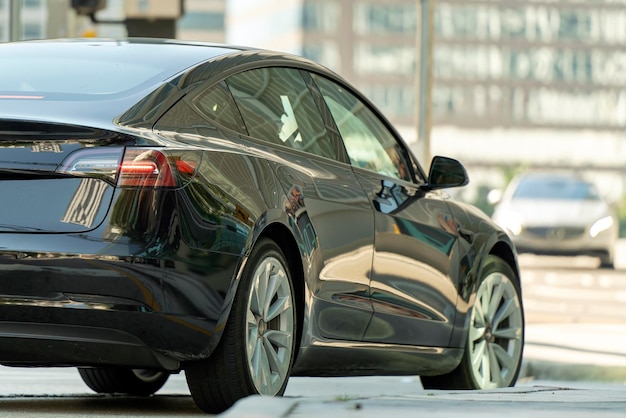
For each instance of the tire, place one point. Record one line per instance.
(257, 348)
(493, 351)
(136, 382)
(606, 261)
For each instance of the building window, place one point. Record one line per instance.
(325, 53)
(395, 101)
(32, 4)
(202, 21)
(32, 31)
(321, 17)
(533, 23)
(385, 19)
(384, 59)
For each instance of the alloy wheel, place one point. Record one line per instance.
(148, 376)
(270, 327)
(496, 332)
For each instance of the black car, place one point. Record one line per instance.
(239, 214)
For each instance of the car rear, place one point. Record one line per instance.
(94, 266)
(85, 236)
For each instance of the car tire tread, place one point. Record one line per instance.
(120, 380)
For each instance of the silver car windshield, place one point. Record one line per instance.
(555, 188)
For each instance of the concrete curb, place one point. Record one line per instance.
(262, 407)
(543, 401)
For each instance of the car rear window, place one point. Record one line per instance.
(74, 76)
(92, 68)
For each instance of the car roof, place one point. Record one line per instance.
(112, 75)
(53, 79)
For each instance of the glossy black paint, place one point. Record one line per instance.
(385, 269)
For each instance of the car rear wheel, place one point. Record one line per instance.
(256, 351)
(493, 351)
(137, 382)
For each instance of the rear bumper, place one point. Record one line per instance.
(36, 344)
(109, 303)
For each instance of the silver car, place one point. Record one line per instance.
(558, 214)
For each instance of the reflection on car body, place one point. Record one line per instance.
(241, 215)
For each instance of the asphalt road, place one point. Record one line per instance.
(573, 290)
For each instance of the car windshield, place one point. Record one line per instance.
(555, 188)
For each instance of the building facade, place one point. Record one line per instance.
(203, 20)
(39, 19)
(533, 64)
(534, 83)
(507, 74)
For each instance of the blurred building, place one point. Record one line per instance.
(39, 19)
(536, 82)
(369, 42)
(203, 20)
(558, 64)
(520, 83)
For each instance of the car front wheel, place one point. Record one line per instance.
(493, 351)
(256, 351)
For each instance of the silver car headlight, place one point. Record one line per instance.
(601, 225)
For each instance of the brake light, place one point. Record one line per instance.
(21, 97)
(133, 167)
(152, 168)
(145, 168)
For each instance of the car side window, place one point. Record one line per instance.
(217, 104)
(204, 113)
(370, 145)
(277, 107)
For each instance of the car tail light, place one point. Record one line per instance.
(155, 168)
(93, 162)
(145, 168)
(134, 167)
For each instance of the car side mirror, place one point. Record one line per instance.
(446, 173)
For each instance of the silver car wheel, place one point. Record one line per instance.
(270, 327)
(148, 376)
(496, 332)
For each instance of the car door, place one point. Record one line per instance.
(411, 288)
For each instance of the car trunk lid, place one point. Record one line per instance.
(41, 190)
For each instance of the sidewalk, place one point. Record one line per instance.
(518, 402)
(583, 374)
